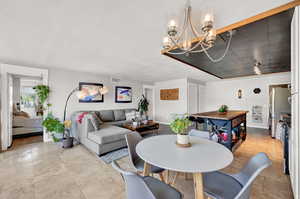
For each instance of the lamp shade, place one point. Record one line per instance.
(103, 90)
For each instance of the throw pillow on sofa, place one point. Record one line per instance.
(95, 121)
(119, 115)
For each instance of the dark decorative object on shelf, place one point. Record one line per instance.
(257, 90)
(91, 92)
(123, 94)
(240, 94)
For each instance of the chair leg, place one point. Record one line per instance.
(161, 177)
(146, 171)
(175, 177)
(167, 176)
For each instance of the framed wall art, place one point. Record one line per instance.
(91, 92)
(123, 94)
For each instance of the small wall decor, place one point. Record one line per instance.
(169, 94)
(240, 94)
(123, 94)
(91, 92)
(257, 90)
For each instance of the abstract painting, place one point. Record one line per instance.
(90, 92)
(123, 94)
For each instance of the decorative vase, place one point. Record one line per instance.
(134, 124)
(183, 139)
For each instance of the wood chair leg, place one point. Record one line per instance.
(146, 171)
(175, 177)
(161, 175)
(167, 176)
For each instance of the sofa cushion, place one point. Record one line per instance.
(106, 115)
(108, 134)
(118, 123)
(119, 115)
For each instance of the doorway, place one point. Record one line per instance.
(280, 108)
(27, 112)
(9, 76)
(148, 91)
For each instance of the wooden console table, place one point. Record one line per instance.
(229, 121)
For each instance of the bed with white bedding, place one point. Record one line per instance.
(23, 125)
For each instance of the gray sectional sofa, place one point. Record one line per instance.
(104, 135)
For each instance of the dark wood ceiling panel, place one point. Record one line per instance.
(267, 41)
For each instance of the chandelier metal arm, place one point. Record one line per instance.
(179, 40)
(224, 54)
(194, 31)
(183, 28)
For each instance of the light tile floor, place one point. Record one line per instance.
(45, 171)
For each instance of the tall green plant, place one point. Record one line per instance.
(42, 91)
(180, 124)
(143, 104)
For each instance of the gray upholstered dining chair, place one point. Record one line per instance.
(138, 187)
(132, 140)
(218, 185)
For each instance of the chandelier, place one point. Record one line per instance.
(181, 40)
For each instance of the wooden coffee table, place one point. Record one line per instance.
(150, 127)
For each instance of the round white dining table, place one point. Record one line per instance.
(203, 156)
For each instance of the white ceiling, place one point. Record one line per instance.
(114, 37)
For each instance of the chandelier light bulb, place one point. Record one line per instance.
(208, 22)
(172, 23)
(166, 42)
(172, 28)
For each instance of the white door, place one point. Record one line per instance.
(149, 97)
(294, 135)
(192, 98)
(10, 108)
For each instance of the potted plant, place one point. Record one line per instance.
(53, 126)
(223, 109)
(42, 91)
(179, 126)
(143, 106)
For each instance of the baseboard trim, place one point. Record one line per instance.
(259, 127)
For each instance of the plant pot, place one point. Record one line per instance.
(183, 139)
(134, 124)
(223, 113)
(68, 142)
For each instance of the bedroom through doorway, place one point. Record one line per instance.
(27, 113)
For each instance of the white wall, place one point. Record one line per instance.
(62, 82)
(225, 92)
(165, 108)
